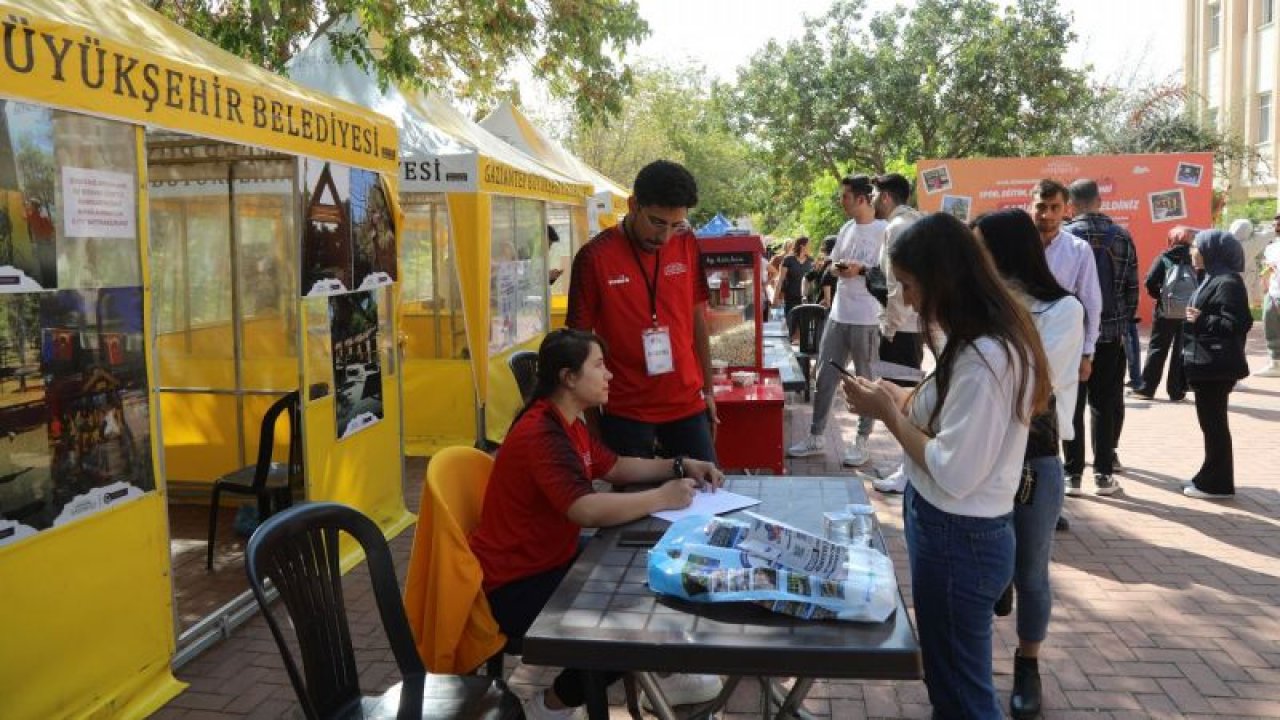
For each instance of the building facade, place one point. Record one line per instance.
(1231, 62)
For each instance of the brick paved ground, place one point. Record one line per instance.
(1166, 607)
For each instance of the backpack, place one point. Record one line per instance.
(1179, 285)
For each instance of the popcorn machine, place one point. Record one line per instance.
(748, 396)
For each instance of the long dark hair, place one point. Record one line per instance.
(961, 292)
(562, 349)
(1015, 246)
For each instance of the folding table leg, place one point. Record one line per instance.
(597, 695)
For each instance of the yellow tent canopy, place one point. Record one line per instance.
(122, 60)
(442, 151)
(608, 200)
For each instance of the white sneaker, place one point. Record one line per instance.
(1272, 370)
(857, 453)
(535, 708)
(686, 689)
(895, 483)
(812, 445)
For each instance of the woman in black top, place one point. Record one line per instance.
(791, 278)
(1213, 358)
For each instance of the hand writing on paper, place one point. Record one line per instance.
(706, 476)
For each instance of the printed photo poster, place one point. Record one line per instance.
(357, 372)
(1146, 194)
(28, 201)
(73, 407)
(373, 236)
(326, 229)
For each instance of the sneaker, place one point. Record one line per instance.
(1115, 463)
(1192, 491)
(1063, 524)
(812, 445)
(1105, 485)
(856, 454)
(535, 708)
(1270, 371)
(895, 483)
(686, 689)
(1138, 393)
(1073, 488)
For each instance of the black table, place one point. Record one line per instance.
(604, 617)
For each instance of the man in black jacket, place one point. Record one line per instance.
(1166, 332)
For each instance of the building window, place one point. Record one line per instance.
(1215, 25)
(1264, 117)
(1266, 11)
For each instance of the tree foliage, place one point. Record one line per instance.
(461, 47)
(1159, 119)
(947, 78)
(677, 114)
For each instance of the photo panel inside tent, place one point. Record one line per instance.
(373, 237)
(327, 256)
(78, 432)
(357, 370)
(28, 242)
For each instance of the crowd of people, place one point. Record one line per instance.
(1027, 315)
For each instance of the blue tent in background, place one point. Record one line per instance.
(715, 227)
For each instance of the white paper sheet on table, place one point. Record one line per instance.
(710, 503)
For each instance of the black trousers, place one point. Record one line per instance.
(1104, 393)
(516, 605)
(1217, 473)
(1166, 341)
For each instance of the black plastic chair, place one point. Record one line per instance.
(298, 551)
(524, 365)
(808, 321)
(271, 482)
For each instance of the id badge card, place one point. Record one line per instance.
(657, 350)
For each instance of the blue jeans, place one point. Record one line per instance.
(689, 436)
(960, 566)
(1133, 353)
(1033, 524)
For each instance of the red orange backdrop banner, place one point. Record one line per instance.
(1147, 194)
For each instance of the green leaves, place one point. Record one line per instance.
(947, 78)
(460, 47)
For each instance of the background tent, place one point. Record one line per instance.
(458, 181)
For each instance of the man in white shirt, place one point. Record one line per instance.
(1271, 302)
(900, 339)
(853, 326)
(1071, 262)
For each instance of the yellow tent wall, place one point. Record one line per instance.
(86, 611)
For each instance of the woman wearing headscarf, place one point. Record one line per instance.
(1014, 243)
(1213, 358)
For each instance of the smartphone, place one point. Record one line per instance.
(840, 264)
(640, 538)
(841, 368)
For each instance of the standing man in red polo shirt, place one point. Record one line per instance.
(639, 285)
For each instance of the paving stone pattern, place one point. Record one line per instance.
(1166, 607)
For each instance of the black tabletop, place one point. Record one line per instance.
(604, 617)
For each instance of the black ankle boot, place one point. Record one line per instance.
(1024, 703)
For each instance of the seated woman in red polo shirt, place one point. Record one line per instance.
(540, 497)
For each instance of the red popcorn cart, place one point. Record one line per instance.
(748, 396)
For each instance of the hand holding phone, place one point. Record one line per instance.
(843, 370)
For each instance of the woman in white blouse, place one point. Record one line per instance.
(1014, 243)
(964, 430)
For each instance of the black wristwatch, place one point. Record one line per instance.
(677, 466)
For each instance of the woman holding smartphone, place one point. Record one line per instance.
(964, 430)
(540, 497)
(1014, 243)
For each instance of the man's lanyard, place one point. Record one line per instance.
(650, 285)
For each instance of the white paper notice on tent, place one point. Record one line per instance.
(710, 503)
(894, 371)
